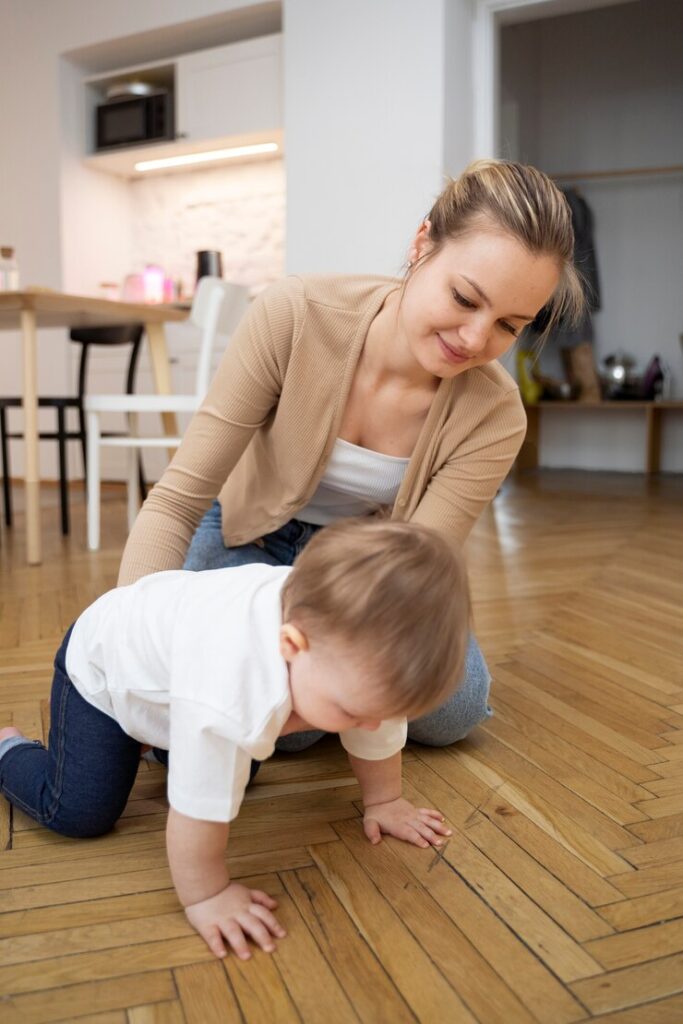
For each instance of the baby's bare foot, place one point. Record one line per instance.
(8, 731)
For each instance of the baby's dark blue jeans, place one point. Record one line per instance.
(79, 785)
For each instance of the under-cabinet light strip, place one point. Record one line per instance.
(202, 158)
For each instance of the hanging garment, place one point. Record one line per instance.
(585, 261)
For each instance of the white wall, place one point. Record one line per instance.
(596, 91)
(366, 123)
(458, 92)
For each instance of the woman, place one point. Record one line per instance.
(341, 396)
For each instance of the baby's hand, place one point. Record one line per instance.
(419, 825)
(235, 913)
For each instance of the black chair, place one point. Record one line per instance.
(129, 334)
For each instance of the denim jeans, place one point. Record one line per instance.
(79, 785)
(447, 724)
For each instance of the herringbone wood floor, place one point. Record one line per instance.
(559, 897)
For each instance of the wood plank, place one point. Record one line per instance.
(632, 986)
(644, 910)
(107, 885)
(169, 1012)
(422, 986)
(529, 875)
(666, 787)
(649, 685)
(260, 990)
(663, 1011)
(649, 880)
(588, 788)
(367, 985)
(661, 828)
(206, 993)
(78, 1000)
(560, 826)
(576, 875)
(311, 983)
(665, 851)
(533, 984)
(60, 971)
(639, 946)
(556, 725)
(605, 701)
(613, 781)
(480, 988)
(517, 675)
(662, 807)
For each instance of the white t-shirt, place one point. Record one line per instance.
(190, 662)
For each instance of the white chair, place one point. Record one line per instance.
(217, 308)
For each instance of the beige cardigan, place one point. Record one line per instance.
(263, 435)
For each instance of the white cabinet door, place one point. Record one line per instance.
(230, 90)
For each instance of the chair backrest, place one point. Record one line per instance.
(125, 334)
(217, 308)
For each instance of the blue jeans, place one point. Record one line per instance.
(79, 785)
(447, 724)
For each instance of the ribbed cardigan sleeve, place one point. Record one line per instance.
(463, 486)
(244, 390)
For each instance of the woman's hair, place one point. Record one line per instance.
(396, 595)
(523, 202)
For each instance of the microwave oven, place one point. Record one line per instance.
(134, 120)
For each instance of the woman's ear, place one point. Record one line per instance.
(292, 641)
(421, 243)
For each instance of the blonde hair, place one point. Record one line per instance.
(525, 203)
(397, 595)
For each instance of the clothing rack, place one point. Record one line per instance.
(627, 172)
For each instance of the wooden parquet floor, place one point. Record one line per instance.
(559, 897)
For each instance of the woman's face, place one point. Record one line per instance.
(466, 305)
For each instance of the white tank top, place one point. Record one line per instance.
(356, 482)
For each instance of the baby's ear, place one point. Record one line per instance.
(292, 641)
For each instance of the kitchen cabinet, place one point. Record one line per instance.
(232, 90)
(224, 97)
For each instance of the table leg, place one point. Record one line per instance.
(32, 468)
(653, 441)
(528, 454)
(156, 336)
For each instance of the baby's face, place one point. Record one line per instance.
(332, 693)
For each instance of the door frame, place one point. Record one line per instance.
(489, 15)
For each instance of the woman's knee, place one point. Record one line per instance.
(466, 709)
(206, 551)
(297, 741)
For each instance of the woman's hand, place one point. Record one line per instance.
(234, 914)
(421, 826)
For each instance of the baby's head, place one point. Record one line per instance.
(375, 624)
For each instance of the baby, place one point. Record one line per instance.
(368, 628)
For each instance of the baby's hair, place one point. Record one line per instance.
(397, 595)
(523, 202)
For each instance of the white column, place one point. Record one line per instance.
(365, 126)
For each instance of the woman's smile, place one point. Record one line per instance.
(450, 353)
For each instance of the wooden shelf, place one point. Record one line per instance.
(528, 456)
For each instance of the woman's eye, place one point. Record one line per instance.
(462, 300)
(509, 328)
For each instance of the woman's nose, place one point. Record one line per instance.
(474, 336)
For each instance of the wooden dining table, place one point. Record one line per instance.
(37, 308)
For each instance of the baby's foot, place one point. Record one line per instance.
(8, 731)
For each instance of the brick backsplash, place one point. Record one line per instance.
(239, 210)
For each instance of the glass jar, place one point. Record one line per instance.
(9, 270)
